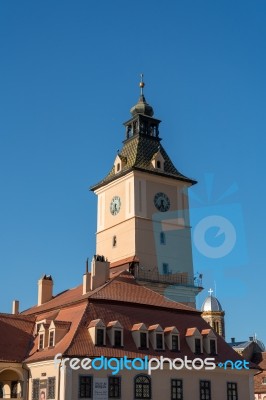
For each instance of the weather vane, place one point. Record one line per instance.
(141, 84)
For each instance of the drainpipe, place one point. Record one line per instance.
(59, 380)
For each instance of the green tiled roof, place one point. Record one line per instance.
(138, 152)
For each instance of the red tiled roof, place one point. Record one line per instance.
(125, 261)
(169, 329)
(16, 337)
(206, 332)
(190, 331)
(121, 299)
(74, 314)
(124, 288)
(260, 360)
(129, 316)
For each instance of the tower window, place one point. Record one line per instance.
(162, 238)
(114, 241)
(158, 164)
(165, 269)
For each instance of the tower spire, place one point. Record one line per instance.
(141, 84)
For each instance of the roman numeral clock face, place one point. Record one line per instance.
(115, 205)
(161, 202)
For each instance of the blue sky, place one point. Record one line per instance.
(69, 73)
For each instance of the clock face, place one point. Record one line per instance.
(161, 202)
(115, 205)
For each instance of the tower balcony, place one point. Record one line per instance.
(177, 279)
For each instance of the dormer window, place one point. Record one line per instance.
(120, 162)
(156, 334)
(51, 338)
(197, 346)
(209, 341)
(159, 341)
(158, 161)
(115, 333)
(140, 336)
(99, 337)
(212, 346)
(97, 332)
(175, 342)
(117, 338)
(41, 341)
(171, 335)
(194, 340)
(143, 340)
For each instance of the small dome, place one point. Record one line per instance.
(211, 304)
(142, 107)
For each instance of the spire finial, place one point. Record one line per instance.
(210, 291)
(141, 84)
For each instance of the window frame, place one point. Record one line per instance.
(35, 391)
(142, 385)
(161, 335)
(110, 396)
(198, 340)
(205, 385)
(90, 377)
(51, 386)
(96, 337)
(230, 391)
(51, 334)
(178, 342)
(141, 333)
(215, 347)
(162, 238)
(121, 338)
(41, 341)
(176, 396)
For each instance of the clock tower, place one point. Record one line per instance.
(143, 211)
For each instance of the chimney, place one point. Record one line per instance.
(99, 271)
(251, 338)
(233, 340)
(15, 307)
(86, 279)
(45, 289)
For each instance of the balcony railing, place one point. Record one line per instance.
(179, 278)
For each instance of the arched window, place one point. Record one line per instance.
(1, 390)
(142, 387)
